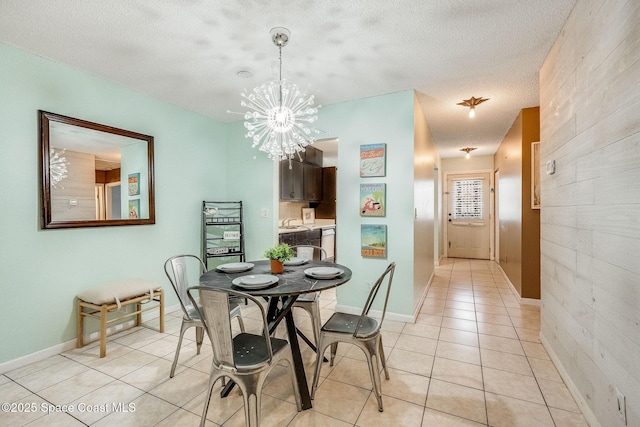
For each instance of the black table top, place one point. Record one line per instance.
(292, 281)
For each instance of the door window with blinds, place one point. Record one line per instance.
(467, 198)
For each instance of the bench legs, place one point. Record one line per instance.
(103, 330)
(80, 336)
(100, 312)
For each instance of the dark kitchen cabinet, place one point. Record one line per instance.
(303, 181)
(312, 182)
(291, 180)
(313, 156)
(311, 237)
(327, 207)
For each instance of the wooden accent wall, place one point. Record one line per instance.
(74, 197)
(590, 227)
(519, 244)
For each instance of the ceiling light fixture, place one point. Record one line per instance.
(245, 74)
(471, 103)
(280, 113)
(468, 150)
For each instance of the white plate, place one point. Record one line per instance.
(235, 267)
(296, 261)
(323, 272)
(255, 281)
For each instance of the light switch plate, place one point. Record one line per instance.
(551, 167)
(264, 213)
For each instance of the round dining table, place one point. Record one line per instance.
(294, 281)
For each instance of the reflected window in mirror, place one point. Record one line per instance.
(94, 175)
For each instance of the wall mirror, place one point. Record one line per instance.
(94, 175)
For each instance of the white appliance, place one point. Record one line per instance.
(328, 242)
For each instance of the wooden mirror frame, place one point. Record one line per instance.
(45, 118)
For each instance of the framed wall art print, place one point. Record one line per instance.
(373, 238)
(373, 200)
(373, 160)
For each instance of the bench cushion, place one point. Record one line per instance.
(117, 291)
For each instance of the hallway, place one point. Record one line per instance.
(473, 358)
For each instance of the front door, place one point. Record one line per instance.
(468, 224)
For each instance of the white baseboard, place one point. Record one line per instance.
(375, 313)
(588, 415)
(397, 317)
(39, 355)
(527, 301)
(530, 301)
(424, 295)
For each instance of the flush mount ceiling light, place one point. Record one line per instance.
(280, 113)
(468, 150)
(471, 103)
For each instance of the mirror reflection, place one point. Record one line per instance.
(95, 175)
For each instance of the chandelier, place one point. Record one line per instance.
(280, 113)
(57, 166)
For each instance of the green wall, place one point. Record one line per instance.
(382, 119)
(43, 270)
(196, 158)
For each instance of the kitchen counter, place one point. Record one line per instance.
(320, 223)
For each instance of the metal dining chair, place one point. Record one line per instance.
(245, 358)
(362, 331)
(176, 270)
(310, 302)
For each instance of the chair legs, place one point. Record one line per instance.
(313, 308)
(374, 368)
(372, 350)
(212, 382)
(199, 338)
(383, 359)
(251, 389)
(252, 396)
(334, 350)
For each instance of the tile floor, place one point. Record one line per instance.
(473, 358)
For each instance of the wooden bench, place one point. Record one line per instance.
(98, 302)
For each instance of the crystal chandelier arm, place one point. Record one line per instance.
(254, 103)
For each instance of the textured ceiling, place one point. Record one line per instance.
(189, 52)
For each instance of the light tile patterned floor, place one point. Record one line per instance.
(473, 358)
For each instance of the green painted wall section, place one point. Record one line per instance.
(382, 119)
(252, 178)
(43, 270)
(196, 158)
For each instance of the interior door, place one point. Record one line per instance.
(468, 214)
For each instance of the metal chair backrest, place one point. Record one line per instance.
(312, 249)
(176, 270)
(214, 304)
(388, 277)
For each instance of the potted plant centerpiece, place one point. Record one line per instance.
(278, 255)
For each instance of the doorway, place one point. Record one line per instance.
(113, 203)
(468, 215)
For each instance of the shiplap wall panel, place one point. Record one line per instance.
(590, 218)
(78, 186)
(620, 220)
